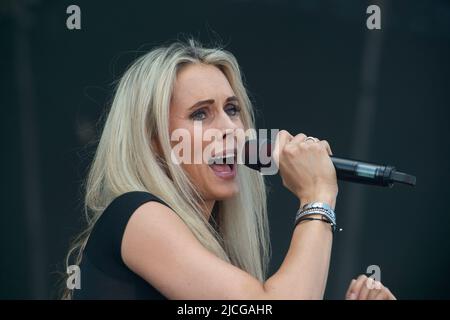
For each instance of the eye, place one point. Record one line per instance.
(232, 110)
(198, 115)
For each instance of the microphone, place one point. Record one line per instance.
(256, 152)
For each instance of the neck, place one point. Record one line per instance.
(208, 207)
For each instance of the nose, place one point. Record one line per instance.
(226, 125)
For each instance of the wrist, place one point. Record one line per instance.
(325, 198)
(310, 210)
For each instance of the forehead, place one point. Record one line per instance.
(200, 81)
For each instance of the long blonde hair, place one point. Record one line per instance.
(126, 160)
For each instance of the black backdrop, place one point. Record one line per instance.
(310, 66)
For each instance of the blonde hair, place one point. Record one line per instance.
(126, 160)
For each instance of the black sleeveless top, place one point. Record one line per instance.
(104, 275)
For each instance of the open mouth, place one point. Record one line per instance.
(224, 166)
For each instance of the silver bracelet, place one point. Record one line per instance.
(322, 205)
(319, 208)
(328, 216)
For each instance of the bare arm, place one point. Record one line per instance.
(160, 248)
(303, 273)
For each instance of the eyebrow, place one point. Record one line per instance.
(232, 98)
(211, 101)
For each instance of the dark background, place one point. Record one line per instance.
(310, 66)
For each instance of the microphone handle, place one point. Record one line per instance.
(369, 173)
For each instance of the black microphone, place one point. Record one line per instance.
(257, 155)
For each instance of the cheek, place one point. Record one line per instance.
(198, 173)
(200, 177)
(240, 123)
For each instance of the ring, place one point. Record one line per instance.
(312, 138)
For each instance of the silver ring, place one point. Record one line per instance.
(312, 138)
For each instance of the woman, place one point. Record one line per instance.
(159, 230)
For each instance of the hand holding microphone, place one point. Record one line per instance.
(306, 168)
(346, 169)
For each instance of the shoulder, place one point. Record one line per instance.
(130, 201)
(126, 204)
(107, 234)
(157, 244)
(157, 226)
(159, 247)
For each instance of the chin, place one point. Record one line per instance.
(224, 191)
(217, 183)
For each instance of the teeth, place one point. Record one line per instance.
(222, 159)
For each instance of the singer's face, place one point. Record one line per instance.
(203, 101)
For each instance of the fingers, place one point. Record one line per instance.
(359, 290)
(375, 290)
(364, 288)
(283, 137)
(311, 140)
(350, 295)
(357, 287)
(381, 294)
(385, 294)
(301, 137)
(327, 147)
